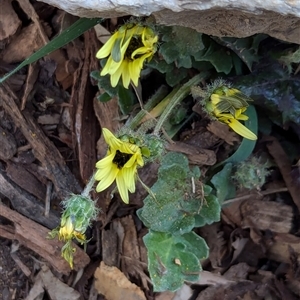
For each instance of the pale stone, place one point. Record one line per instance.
(237, 18)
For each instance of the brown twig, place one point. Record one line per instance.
(44, 150)
(263, 193)
(33, 236)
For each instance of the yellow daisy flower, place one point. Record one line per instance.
(227, 105)
(120, 164)
(67, 233)
(67, 230)
(127, 50)
(79, 211)
(235, 125)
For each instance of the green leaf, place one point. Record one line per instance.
(275, 91)
(184, 62)
(105, 97)
(180, 44)
(178, 115)
(169, 52)
(237, 64)
(210, 211)
(176, 76)
(245, 48)
(223, 184)
(174, 259)
(202, 65)
(160, 65)
(96, 75)
(68, 35)
(126, 99)
(218, 56)
(291, 56)
(104, 83)
(179, 198)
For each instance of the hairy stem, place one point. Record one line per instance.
(179, 96)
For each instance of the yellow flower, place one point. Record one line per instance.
(79, 211)
(66, 233)
(227, 105)
(67, 253)
(235, 125)
(127, 50)
(120, 164)
(67, 230)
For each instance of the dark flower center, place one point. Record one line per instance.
(135, 43)
(121, 159)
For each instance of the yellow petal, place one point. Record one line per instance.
(150, 42)
(111, 140)
(111, 174)
(107, 67)
(65, 231)
(114, 67)
(115, 77)
(125, 74)
(232, 92)
(102, 173)
(129, 178)
(242, 130)
(130, 162)
(128, 148)
(223, 117)
(80, 237)
(105, 162)
(149, 37)
(134, 71)
(139, 160)
(135, 30)
(140, 51)
(242, 117)
(215, 99)
(107, 47)
(122, 188)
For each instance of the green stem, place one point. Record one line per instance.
(152, 102)
(179, 96)
(88, 187)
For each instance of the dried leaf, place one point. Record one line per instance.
(113, 284)
(267, 215)
(56, 288)
(9, 21)
(23, 45)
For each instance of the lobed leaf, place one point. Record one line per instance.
(173, 259)
(180, 198)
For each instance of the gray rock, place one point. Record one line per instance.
(236, 18)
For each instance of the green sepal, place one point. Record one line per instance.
(116, 50)
(145, 151)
